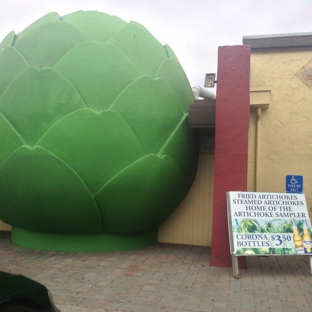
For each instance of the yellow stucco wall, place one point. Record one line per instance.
(286, 126)
(4, 226)
(191, 222)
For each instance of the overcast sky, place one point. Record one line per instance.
(194, 29)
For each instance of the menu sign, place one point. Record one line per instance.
(268, 224)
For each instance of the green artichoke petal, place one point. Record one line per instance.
(183, 148)
(41, 193)
(9, 140)
(172, 72)
(98, 71)
(150, 105)
(7, 41)
(142, 196)
(98, 26)
(171, 53)
(96, 146)
(36, 100)
(48, 18)
(144, 50)
(46, 44)
(12, 64)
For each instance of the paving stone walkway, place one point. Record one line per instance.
(163, 277)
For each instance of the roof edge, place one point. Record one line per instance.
(279, 41)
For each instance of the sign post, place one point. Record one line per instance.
(270, 224)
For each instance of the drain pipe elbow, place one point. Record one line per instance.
(203, 93)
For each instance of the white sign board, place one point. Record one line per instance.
(268, 224)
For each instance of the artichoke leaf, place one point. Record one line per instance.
(141, 47)
(158, 113)
(96, 146)
(142, 196)
(12, 64)
(174, 75)
(45, 45)
(41, 193)
(98, 26)
(10, 140)
(37, 99)
(106, 72)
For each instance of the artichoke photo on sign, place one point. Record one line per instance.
(96, 150)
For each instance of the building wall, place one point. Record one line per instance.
(191, 222)
(286, 126)
(4, 226)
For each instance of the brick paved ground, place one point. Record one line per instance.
(162, 278)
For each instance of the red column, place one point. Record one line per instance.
(231, 143)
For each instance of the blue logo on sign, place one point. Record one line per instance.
(294, 184)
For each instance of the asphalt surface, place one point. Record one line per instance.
(162, 277)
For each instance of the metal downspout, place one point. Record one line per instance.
(203, 93)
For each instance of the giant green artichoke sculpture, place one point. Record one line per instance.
(96, 150)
